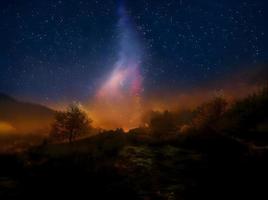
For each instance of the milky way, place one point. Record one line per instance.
(120, 94)
(57, 52)
(125, 79)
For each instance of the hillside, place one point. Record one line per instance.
(24, 117)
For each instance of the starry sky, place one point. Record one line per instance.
(63, 50)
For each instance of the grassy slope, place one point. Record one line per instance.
(130, 167)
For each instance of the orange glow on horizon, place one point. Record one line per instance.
(6, 128)
(127, 111)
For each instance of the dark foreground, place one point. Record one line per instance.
(127, 166)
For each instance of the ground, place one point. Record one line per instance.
(120, 166)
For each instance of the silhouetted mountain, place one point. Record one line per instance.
(24, 117)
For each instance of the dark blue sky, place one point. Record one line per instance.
(62, 50)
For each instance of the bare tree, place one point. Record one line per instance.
(70, 124)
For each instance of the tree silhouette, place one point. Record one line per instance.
(70, 124)
(248, 115)
(207, 115)
(163, 124)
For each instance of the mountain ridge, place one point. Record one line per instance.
(25, 117)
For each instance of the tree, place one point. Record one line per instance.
(70, 124)
(248, 114)
(207, 115)
(163, 124)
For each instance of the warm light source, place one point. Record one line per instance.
(6, 127)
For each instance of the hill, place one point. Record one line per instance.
(23, 117)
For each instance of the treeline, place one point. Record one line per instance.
(245, 119)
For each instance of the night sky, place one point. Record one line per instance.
(63, 50)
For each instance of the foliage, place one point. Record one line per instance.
(207, 115)
(70, 124)
(163, 124)
(247, 118)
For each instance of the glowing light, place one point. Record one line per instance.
(6, 127)
(118, 99)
